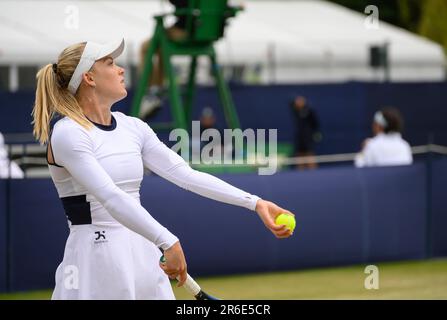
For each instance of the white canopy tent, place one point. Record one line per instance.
(286, 41)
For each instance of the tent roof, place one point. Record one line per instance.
(303, 30)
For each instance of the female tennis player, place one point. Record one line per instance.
(96, 159)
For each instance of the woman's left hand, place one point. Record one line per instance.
(268, 211)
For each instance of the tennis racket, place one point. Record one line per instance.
(193, 287)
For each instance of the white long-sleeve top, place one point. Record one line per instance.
(106, 164)
(385, 150)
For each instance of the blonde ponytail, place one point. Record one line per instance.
(52, 95)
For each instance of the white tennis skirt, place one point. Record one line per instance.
(110, 262)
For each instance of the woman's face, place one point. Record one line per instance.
(376, 128)
(109, 79)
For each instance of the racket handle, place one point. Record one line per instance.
(190, 284)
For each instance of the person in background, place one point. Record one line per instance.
(153, 99)
(8, 169)
(207, 119)
(307, 131)
(386, 148)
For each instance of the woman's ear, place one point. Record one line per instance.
(88, 78)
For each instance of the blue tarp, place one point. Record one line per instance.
(438, 208)
(345, 110)
(3, 236)
(344, 216)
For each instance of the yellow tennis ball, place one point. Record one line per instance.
(286, 219)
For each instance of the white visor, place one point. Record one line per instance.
(93, 52)
(380, 119)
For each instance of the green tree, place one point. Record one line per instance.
(409, 12)
(433, 23)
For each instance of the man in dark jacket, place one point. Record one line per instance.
(307, 131)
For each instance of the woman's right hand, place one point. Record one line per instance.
(268, 211)
(175, 264)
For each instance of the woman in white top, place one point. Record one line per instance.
(97, 159)
(387, 148)
(8, 168)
